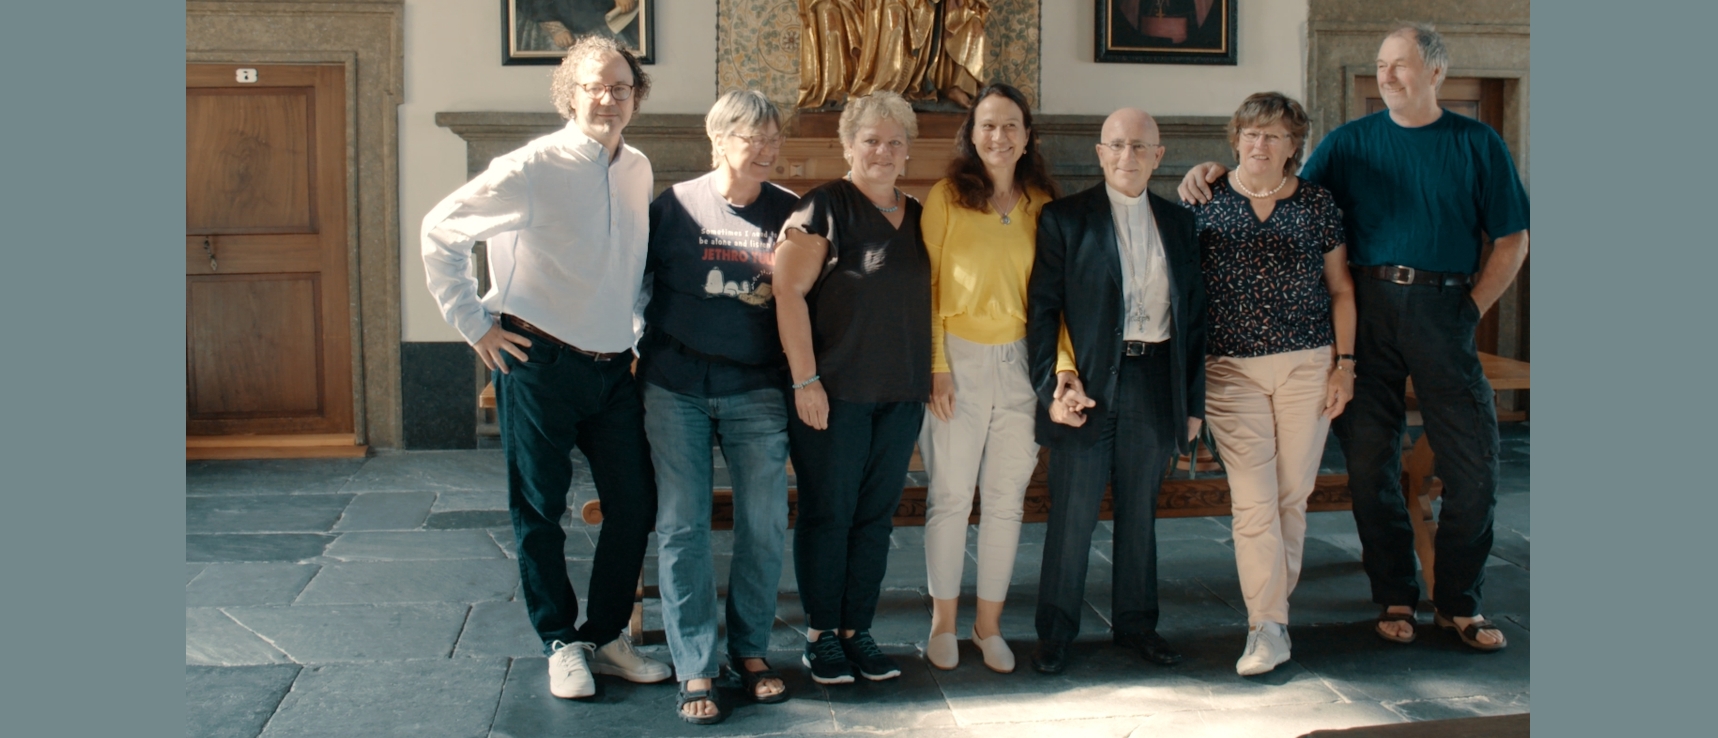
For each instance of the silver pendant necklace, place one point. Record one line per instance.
(998, 206)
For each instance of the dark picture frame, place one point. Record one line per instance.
(530, 29)
(1166, 31)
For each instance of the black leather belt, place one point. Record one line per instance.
(1409, 275)
(1141, 348)
(513, 323)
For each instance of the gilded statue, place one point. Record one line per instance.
(918, 48)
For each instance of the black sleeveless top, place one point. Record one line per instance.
(871, 307)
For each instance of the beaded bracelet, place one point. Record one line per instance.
(807, 383)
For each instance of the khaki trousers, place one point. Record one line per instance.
(1265, 414)
(988, 444)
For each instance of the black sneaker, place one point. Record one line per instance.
(826, 661)
(862, 650)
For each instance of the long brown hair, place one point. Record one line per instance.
(966, 173)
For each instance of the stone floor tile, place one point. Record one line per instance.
(263, 513)
(1364, 667)
(233, 701)
(323, 633)
(439, 697)
(912, 700)
(1462, 707)
(1178, 529)
(255, 547)
(623, 709)
(191, 572)
(456, 501)
(1049, 727)
(1338, 522)
(432, 471)
(465, 519)
(1521, 620)
(462, 581)
(1507, 591)
(903, 618)
(498, 629)
(221, 585)
(214, 639)
(1510, 545)
(386, 511)
(1101, 682)
(1275, 721)
(1195, 559)
(425, 545)
(269, 476)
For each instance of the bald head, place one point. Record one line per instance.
(1129, 150)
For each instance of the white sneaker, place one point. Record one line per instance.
(619, 659)
(569, 674)
(1267, 646)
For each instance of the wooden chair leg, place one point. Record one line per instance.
(635, 626)
(1418, 464)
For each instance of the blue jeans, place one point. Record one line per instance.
(752, 429)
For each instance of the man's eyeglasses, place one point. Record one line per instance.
(762, 142)
(1270, 139)
(1134, 148)
(619, 91)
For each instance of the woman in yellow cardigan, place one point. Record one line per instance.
(979, 227)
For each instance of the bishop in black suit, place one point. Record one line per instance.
(1119, 267)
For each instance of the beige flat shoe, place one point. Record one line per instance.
(943, 651)
(997, 655)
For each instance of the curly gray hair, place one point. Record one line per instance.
(587, 48)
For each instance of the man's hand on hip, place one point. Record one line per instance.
(490, 346)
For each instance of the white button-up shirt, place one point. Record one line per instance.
(1144, 268)
(567, 231)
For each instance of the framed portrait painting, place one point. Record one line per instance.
(539, 31)
(1166, 31)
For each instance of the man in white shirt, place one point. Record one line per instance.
(566, 220)
(1120, 267)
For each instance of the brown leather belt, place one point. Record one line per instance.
(1409, 275)
(1141, 348)
(515, 324)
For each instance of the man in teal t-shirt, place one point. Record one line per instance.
(1420, 189)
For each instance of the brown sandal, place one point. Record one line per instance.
(1470, 634)
(1390, 617)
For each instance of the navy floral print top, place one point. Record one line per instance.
(1265, 280)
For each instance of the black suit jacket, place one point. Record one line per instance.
(1077, 279)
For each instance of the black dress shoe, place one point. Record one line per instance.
(1150, 646)
(1051, 657)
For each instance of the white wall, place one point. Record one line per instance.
(1271, 56)
(453, 63)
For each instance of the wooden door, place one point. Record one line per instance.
(1480, 99)
(267, 332)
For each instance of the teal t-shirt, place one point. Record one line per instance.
(1420, 197)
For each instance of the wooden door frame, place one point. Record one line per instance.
(366, 39)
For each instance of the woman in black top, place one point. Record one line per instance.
(853, 292)
(712, 365)
(1280, 361)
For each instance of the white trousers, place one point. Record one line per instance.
(1265, 413)
(988, 444)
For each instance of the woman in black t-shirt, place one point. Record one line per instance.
(853, 293)
(1280, 361)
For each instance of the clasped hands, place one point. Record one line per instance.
(1068, 404)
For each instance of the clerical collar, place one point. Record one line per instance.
(1117, 197)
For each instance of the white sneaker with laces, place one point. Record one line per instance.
(618, 658)
(569, 672)
(1267, 646)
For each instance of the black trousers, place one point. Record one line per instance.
(850, 477)
(557, 400)
(1131, 455)
(1425, 332)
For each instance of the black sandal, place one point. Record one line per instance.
(694, 695)
(1391, 617)
(1470, 634)
(751, 679)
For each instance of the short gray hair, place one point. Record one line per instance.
(1433, 52)
(877, 106)
(734, 111)
(590, 47)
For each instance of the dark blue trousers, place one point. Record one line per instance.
(1131, 456)
(558, 400)
(1426, 332)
